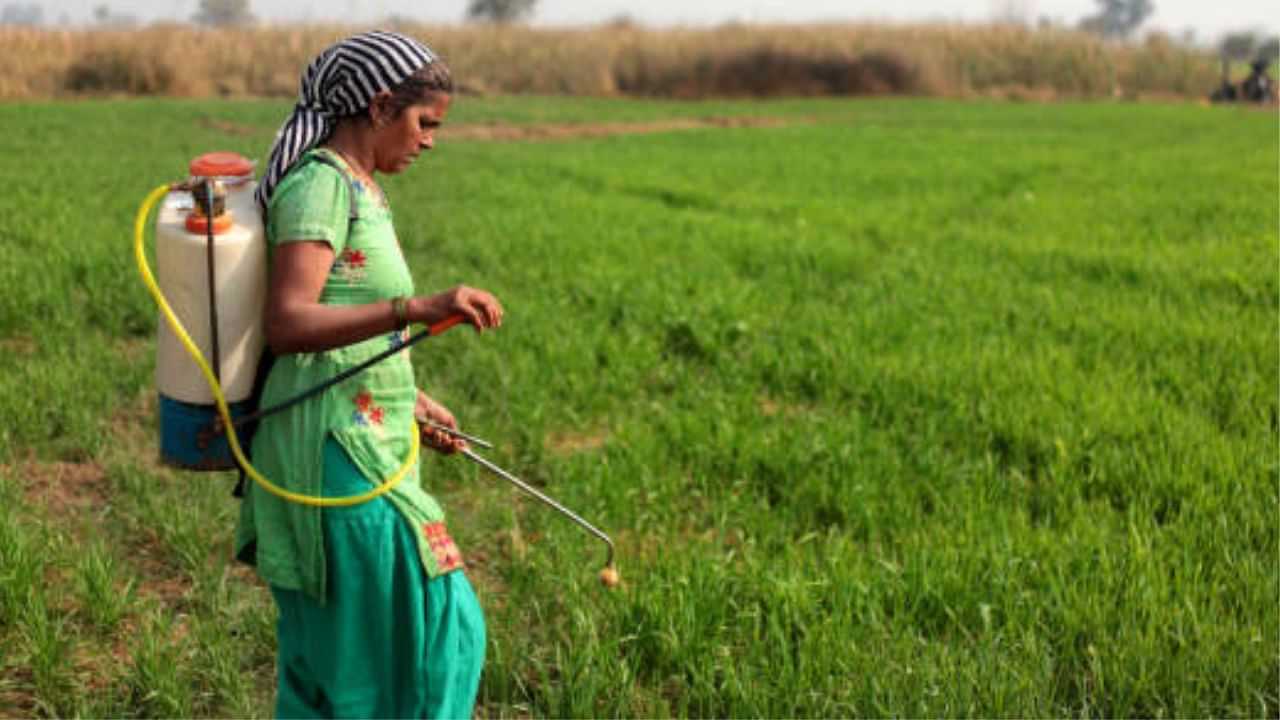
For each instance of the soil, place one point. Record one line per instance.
(549, 132)
(64, 488)
(571, 443)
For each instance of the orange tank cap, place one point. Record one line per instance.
(221, 164)
(199, 225)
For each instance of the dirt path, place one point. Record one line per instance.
(499, 132)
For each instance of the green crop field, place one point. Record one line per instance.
(892, 407)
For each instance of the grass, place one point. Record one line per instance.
(893, 408)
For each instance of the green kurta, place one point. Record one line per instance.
(369, 415)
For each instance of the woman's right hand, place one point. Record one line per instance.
(477, 307)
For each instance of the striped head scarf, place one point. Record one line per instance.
(341, 81)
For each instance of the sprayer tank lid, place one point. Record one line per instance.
(222, 165)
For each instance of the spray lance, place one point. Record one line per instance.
(219, 224)
(609, 574)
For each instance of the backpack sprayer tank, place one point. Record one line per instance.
(187, 257)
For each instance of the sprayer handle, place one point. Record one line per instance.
(444, 324)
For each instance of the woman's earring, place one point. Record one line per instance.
(377, 111)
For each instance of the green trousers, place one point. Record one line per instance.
(389, 642)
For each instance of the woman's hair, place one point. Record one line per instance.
(420, 86)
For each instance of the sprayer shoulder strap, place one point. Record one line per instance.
(324, 157)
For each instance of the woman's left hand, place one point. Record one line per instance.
(427, 411)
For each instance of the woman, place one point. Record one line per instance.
(376, 618)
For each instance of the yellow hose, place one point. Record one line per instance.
(139, 230)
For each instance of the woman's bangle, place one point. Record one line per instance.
(400, 306)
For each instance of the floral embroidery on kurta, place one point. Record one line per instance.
(351, 265)
(442, 546)
(365, 189)
(367, 414)
(398, 338)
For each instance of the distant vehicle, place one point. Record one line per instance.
(1257, 88)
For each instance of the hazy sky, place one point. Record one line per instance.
(1208, 18)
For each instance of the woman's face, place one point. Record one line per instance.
(399, 140)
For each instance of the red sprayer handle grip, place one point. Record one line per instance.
(444, 324)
